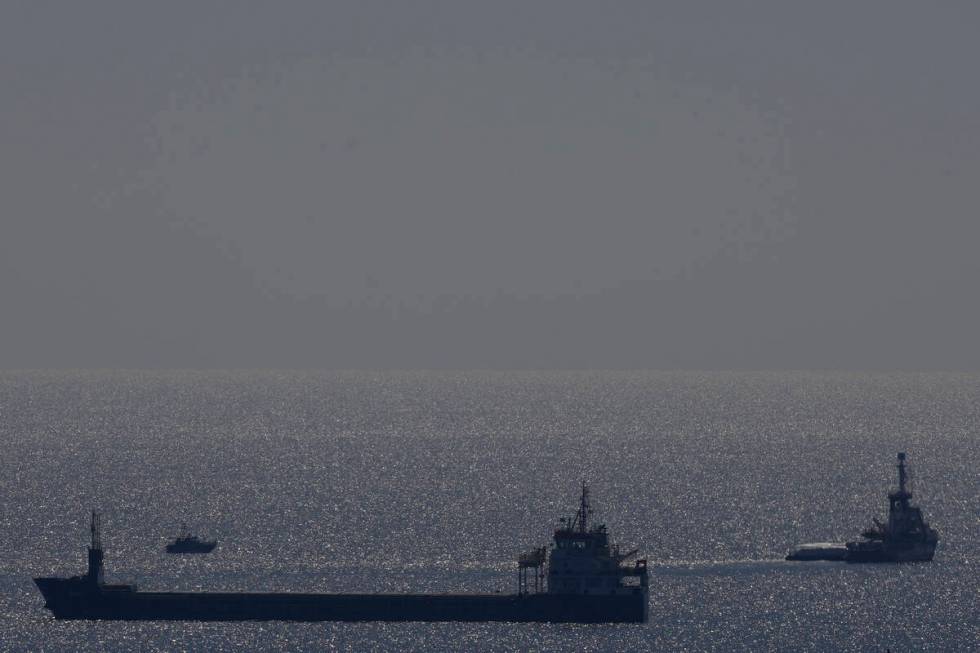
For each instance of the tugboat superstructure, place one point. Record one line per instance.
(906, 537)
(582, 579)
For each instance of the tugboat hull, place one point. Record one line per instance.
(915, 553)
(72, 599)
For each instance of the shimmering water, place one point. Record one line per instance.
(435, 481)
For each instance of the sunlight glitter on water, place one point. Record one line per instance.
(434, 481)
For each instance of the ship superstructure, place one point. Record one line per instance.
(583, 561)
(582, 579)
(905, 537)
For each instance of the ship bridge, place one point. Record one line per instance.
(582, 561)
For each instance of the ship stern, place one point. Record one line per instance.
(52, 591)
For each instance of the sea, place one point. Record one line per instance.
(432, 481)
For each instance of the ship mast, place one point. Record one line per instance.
(902, 476)
(95, 550)
(582, 518)
(898, 501)
(96, 531)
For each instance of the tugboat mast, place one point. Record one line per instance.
(899, 499)
(902, 475)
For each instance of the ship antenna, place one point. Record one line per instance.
(584, 509)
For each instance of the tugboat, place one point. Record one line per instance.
(187, 543)
(580, 579)
(905, 538)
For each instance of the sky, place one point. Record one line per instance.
(533, 184)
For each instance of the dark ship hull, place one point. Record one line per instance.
(78, 599)
(202, 547)
(862, 553)
(917, 552)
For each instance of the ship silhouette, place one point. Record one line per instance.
(905, 537)
(582, 578)
(187, 543)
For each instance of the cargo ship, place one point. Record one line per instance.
(580, 578)
(905, 537)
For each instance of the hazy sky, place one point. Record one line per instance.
(490, 184)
